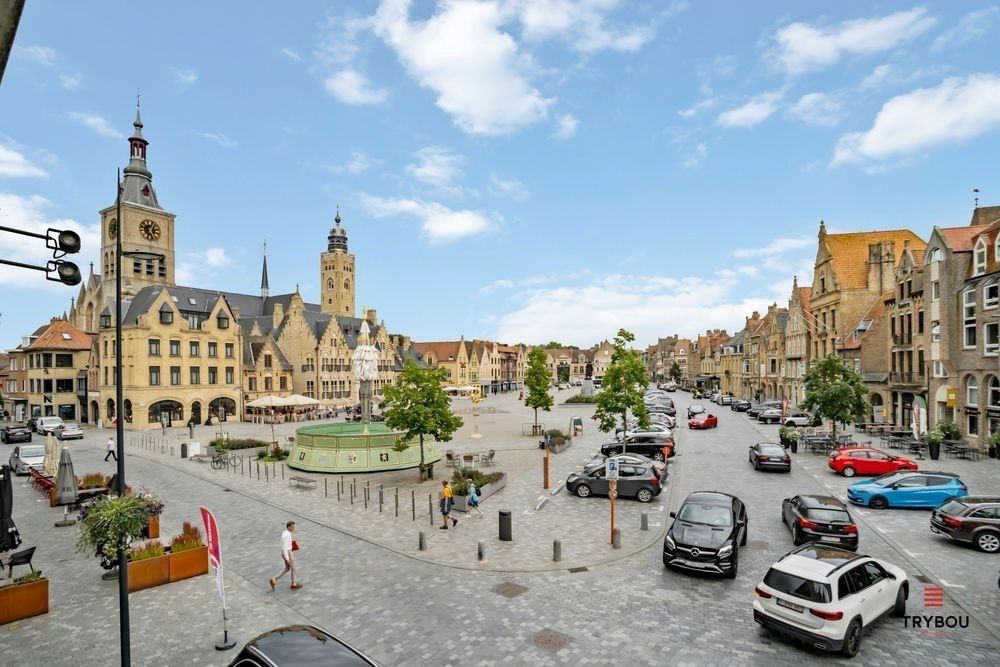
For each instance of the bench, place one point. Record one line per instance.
(302, 481)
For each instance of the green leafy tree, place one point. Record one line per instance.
(675, 372)
(553, 345)
(835, 391)
(623, 383)
(418, 406)
(537, 381)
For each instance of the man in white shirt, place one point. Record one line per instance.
(112, 449)
(286, 556)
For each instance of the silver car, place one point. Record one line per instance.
(27, 456)
(68, 431)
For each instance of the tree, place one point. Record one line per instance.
(553, 345)
(417, 405)
(835, 391)
(537, 381)
(623, 384)
(675, 372)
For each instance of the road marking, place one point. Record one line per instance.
(912, 554)
(951, 585)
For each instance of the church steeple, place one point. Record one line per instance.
(137, 187)
(264, 288)
(337, 240)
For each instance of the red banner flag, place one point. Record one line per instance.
(214, 550)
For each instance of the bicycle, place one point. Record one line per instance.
(224, 460)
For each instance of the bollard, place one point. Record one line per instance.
(480, 551)
(616, 538)
(556, 550)
(241, 465)
(258, 469)
(380, 500)
(365, 494)
(413, 503)
(283, 476)
(505, 526)
(326, 491)
(430, 508)
(337, 484)
(265, 472)
(644, 521)
(422, 541)
(352, 493)
(171, 450)
(397, 502)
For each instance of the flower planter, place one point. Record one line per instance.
(24, 600)
(559, 447)
(187, 564)
(462, 502)
(152, 529)
(148, 573)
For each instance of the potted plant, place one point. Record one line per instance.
(188, 554)
(934, 438)
(148, 566)
(154, 509)
(949, 429)
(24, 597)
(793, 440)
(994, 445)
(784, 436)
(110, 524)
(487, 484)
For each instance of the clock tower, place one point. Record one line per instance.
(144, 225)
(336, 270)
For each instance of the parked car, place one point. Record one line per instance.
(654, 427)
(760, 407)
(867, 461)
(641, 482)
(15, 433)
(695, 409)
(827, 597)
(663, 410)
(68, 431)
(26, 456)
(725, 399)
(299, 646)
(707, 533)
(819, 519)
(907, 489)
(769, 416)
(658, 446)
(770, 456)
(671, 387)
(46, 425)
(974, 520)
(739, 405)
(663, 419)
(703, 421)
(631, 459)
(799, 418)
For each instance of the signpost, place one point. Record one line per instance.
(215, 560)
(611, 472)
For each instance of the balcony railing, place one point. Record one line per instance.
(907, 377)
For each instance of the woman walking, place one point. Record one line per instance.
(474, 498)
(445, 501)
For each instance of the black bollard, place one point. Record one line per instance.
(506, 534)
(413, 503)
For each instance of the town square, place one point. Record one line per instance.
(683, 362)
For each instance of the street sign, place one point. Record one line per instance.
(611, 469)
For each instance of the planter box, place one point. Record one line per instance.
(148, 573)
(558, 449)
(24, 601)
(462, 502)
(152, 529)
(187, 564)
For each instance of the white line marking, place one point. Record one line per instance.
(912, 554)
(951, 585)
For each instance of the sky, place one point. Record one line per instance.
(519, 170)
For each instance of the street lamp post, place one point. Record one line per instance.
(123, 621)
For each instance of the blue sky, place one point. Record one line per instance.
(519, 170)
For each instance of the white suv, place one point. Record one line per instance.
(827, 596)
(46, 425)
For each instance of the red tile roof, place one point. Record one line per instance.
(61, 335)
(960, 239)
(850, 253)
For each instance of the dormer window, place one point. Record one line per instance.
(979, 266)
(223, 321)
(166, 314)
(105, 321)
(934, 255)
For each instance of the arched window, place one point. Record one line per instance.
(994, 392)
(996, 248)
(934, 255)
(972, 391)
(979, 258)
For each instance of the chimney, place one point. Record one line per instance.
(277, 315)
(371, 316)
(985, 215)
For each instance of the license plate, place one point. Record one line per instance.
(791, 605)
(827, 538)
(695, 564)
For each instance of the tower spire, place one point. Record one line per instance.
(264, 288)
(137, 187)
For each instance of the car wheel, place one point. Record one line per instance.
(852, 639)
(900, 609)
(614, 452)
(756, 466)
(848, 471)
(878, 503)
(796, 537)
(644, 495)
(582, 490)
(658, 456)
(988, 541)
(746, 531)
(736, 565)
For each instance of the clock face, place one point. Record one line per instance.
(113, 228)
(150, 230)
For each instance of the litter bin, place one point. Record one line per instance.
(184, 450)
(505, 527)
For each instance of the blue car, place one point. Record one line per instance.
(907, 488)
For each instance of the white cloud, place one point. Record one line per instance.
(708, 103)
(887, 75)
(957, 109)
(802, 47)
(31, 214)
(582, 23)
(351, 87)
(96, 123)
(437, 166)
(70, 81)
(502, 187)
(754, 112)
(502, 284)
(473, 66)
(42, 55)
(697, 157)
(291, 54)
(219, 138)
(776, 247)
(817, 109)
(359, 162)
(184, 77)
(197, 267)
(972, 26)
(565, 127)
(14, 164)
(439, 223)
(216, 257)
(881, 74)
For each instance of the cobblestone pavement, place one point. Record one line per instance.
(372, 587)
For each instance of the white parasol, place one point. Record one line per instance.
(51, 465)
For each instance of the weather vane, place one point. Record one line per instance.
(976, 191)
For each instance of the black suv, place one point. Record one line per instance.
(707, 533)
(739, 405)
(973, 519)
(15, 433)
(299, 646)
(657, 446)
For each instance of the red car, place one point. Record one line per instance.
(703, 421)
(867, 461)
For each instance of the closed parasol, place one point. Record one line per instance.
(9, 537)
(66, 491)
(51, 464)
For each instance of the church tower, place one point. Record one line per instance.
(336, 267)
(144, 226)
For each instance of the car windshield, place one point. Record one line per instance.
(790, 584)
(70, 425)
(828, 515)
(772, 450)
(31, 452)
(952, 507)
(709, 515)
(886, 480)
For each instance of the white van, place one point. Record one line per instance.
(46, 425)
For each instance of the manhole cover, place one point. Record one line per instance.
(550, 640)
(922, 579)
(759, 544)
(509, 590)
(575, 570)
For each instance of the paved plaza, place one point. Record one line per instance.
(366, 581)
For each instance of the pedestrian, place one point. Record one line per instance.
(474, 498)
(520, 395)
(288, 545)
(112, 447)
(445, 501)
